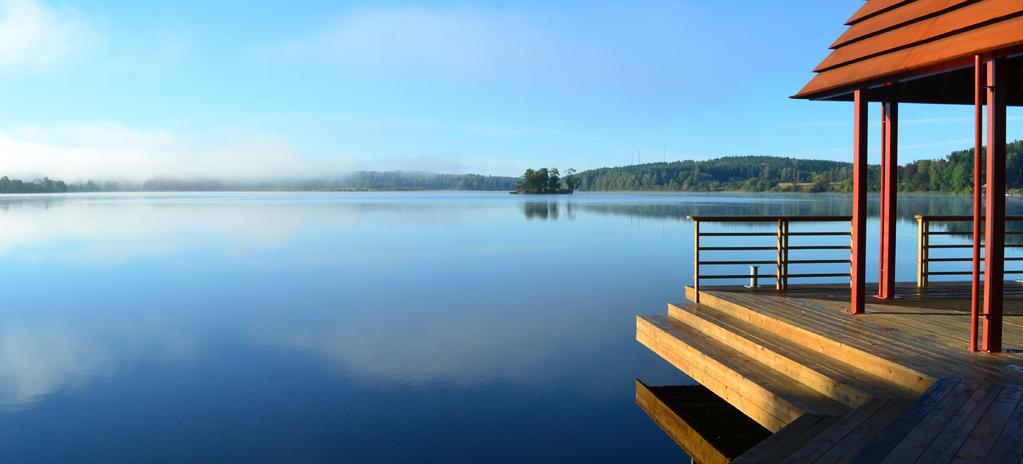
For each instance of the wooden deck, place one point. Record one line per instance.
(894, 385)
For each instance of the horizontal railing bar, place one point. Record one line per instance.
(771, 234)
(737, 248)
(810, 234)
(817, 261)
(1007, 245)
(967, 272)
(770, 218)
(952, 260)
(736, 276)
(734, 263)
(799, 276)
(819, 247)
(960, 218)
(738, 234)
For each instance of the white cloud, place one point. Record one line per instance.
(77, 152)
(34, 34)
(39, 360)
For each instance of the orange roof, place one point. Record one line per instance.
(889, 41)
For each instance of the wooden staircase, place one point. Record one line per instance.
(825, 400)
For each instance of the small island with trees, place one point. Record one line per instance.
(545, 181)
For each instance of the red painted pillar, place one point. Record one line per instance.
(859, 213)
(994, 239)
(882, 201)
(978, 184)
(889, 196)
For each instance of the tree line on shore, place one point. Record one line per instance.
(953, 174)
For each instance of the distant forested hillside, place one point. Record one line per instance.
(954, 173)
(751, 173)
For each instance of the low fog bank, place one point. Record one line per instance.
(357, 181)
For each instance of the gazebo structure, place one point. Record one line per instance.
(892, 383)
(958, 52)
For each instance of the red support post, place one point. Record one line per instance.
(994, 239)
(859, 213)
(882, 200)
(978, 183)
(889, 194)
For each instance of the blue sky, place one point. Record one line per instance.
(256, 89)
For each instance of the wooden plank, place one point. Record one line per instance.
(959, 47)
(834, 434)
(875, 7)
(830, 346)
(915, 351)
(914, 444)
(840, 381)
(925, 30)
(955, 432)
(978, 444)
(894, 18)
(1009, 446)
(700, 356)
(894, 432)
(921, 344)
(856, 438)
(881, 339)
(787, 440)
(775, 359)
(745, 395)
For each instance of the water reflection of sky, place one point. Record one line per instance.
(324, 326)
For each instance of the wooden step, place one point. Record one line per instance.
(843, 382)
(762, 393)
(821, 343)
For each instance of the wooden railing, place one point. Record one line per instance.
(780, 246)
(924, 246)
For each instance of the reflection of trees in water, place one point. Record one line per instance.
(788, 205)
(964, 229)
(547, 210)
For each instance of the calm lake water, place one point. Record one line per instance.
(331, 327)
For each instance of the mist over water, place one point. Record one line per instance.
(324, 327)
